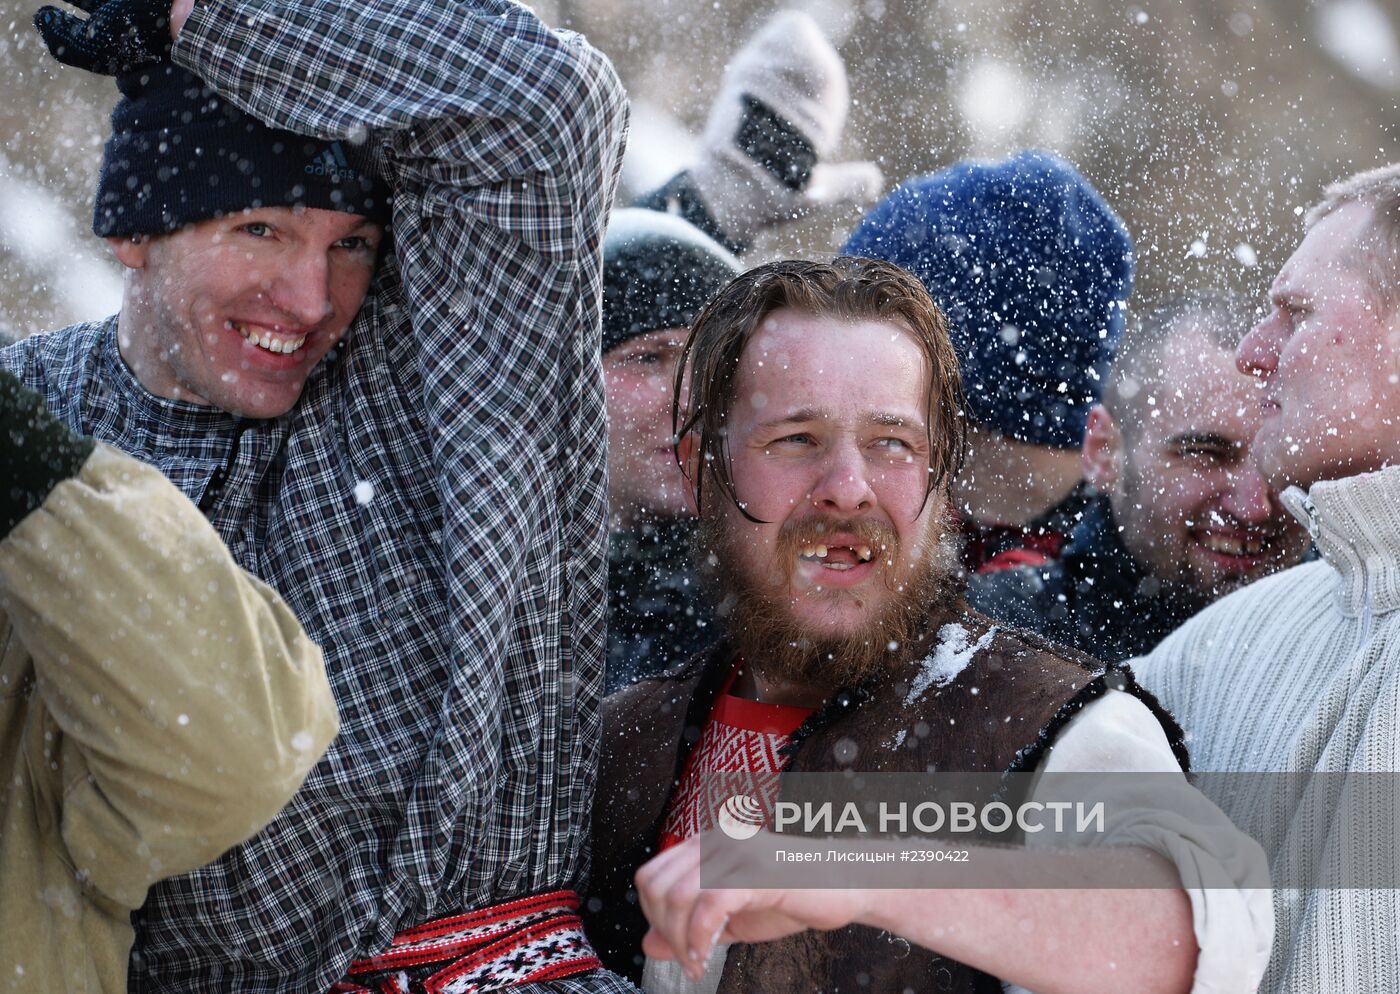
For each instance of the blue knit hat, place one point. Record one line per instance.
(1033, 269)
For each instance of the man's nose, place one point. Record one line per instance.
(1248, 498)
(1258, 351)
(301, 288)
(844, 484)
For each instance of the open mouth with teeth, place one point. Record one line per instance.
(838, 557)
(268, 340)
(1236, 546)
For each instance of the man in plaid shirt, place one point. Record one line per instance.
(428, 497)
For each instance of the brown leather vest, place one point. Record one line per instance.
(963, 726)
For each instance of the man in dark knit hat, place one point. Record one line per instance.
(658, 272)
(1034, 270)
(401, 436)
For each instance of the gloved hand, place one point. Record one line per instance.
(780, 112)
(37, 452)
(116, 37)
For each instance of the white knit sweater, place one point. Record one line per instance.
(1301, 672)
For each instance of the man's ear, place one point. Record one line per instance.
(689, 452)
(130, 251)
(1102, 454)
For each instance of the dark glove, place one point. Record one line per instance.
(116, 37)
(37, 452)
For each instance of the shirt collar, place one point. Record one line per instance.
(157, 423)
(1096, 544)
(1120, 582)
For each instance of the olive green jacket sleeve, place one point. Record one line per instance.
(190, 704)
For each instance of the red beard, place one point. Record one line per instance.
(757, 609)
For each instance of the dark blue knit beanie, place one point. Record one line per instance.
(180, 153)
(1033, 269)
(658, 272)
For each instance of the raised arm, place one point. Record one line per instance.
(187, 702)
(502, 142)
(341, 70)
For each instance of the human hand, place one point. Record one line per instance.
(780, 113)
(37, 451)
(116, 37)
(688, 921)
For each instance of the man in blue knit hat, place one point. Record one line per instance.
(1181, 516)
(402, 437)
(1033, 269)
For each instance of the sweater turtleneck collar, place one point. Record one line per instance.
(1355, 523)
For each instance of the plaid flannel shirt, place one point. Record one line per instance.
(433, 506)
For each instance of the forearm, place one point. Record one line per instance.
(190, 701)
(333, 69)
(1224, 872)
(1061, 940)
(678, 194)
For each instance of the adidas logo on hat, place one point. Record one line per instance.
(333, 163)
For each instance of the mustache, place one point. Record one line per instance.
(1223, 519)
(794, 536)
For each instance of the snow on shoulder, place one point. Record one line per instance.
(948, 658)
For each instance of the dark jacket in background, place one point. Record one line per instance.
(1096, 598)
(650, 728)
(657, 616)
(988, 548)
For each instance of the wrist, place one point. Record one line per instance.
(897, 911)
(680, 196)
(180, 12)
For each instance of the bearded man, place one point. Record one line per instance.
(821, 429)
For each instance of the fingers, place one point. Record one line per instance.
(655, 946)
(657, 882)
(669, 888)
(118, 35)
(844, 184)
(687, 921)
(180, 12)
(64, 35)
(709, 914)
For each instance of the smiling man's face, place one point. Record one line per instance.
(1192, 508)
(236, 312)
(828, 434)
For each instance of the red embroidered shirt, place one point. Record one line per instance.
(738, 753)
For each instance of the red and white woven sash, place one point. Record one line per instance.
(523, 941)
